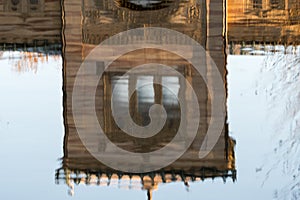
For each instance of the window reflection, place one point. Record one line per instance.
(257, 4)
(145, 90)
(277, 4)
(26, 6)
(15, 2)
(35, 2)
(146, 94)
(170, 92)
(122, 88)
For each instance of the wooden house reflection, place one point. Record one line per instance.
(88, 24)
(264, 21)
(39, 22)
(30, 22)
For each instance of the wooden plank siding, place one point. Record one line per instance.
(29, 26)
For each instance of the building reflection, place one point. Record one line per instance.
(39, 22)
(263, 21)
(88, 24)
(35, 27)
(30, 23)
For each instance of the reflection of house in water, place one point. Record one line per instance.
(30, 22)
(89, 24)
(38, 22)
(32, 27)
(263, 21)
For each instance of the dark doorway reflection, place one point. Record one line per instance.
(144, 4)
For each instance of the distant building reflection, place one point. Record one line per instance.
(30, 22)
(87, 25)
(264, 21)
(39, 22)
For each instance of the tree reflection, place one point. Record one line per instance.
(280, 80)
(23, 61)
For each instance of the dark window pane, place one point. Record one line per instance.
(257, 4)
(35, 2)
(277, 4)
(15, 2)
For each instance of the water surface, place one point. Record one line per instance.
(254, 47)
